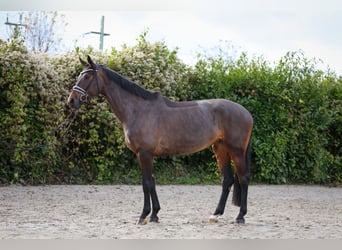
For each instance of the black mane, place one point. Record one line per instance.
(129, 86)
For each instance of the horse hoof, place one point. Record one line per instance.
(240, 220)
(142, 222)
(154, 219)
(213, 218)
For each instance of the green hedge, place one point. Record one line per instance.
(296, 108)
(297, 113)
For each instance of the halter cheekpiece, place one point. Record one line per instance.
(84, 98)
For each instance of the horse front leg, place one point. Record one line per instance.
(155, 201)
(149, 188)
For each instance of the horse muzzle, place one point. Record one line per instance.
(74, 102)
(77, 97)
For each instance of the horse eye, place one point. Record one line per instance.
(86, 77)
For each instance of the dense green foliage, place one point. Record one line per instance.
(297, 114)
(296, 107)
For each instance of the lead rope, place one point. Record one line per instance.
(40, 144)
(73, 114)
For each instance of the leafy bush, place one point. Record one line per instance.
(296, 109)
(29, 109)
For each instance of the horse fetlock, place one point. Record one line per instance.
(243, 211)
(240, 220)
(146, 211)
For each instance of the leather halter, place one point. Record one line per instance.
(84, 98)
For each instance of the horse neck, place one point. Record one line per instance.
(122, 103)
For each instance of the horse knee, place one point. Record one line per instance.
(148, 184)
(146, 187)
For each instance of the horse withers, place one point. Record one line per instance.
(155, 126)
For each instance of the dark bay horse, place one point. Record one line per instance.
(155, 126)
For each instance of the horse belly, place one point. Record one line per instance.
(181, 137)
(181, 148)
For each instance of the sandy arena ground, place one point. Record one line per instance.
(111, 212)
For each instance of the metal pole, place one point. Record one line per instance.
(102, 33)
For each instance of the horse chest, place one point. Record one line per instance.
(128, 138)
(136, 139)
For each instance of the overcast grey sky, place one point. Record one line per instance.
(260, 27)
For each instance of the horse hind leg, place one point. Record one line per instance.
(223, 162)
(241, 162)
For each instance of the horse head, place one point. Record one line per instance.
(87, 84)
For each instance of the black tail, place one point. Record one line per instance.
(236, 192)
(237, 188)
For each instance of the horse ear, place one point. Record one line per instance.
(91, 63)
(84, 63)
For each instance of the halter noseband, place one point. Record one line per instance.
(84, 98)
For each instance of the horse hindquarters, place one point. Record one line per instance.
(236, 124)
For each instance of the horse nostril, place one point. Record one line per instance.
(71, 101)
